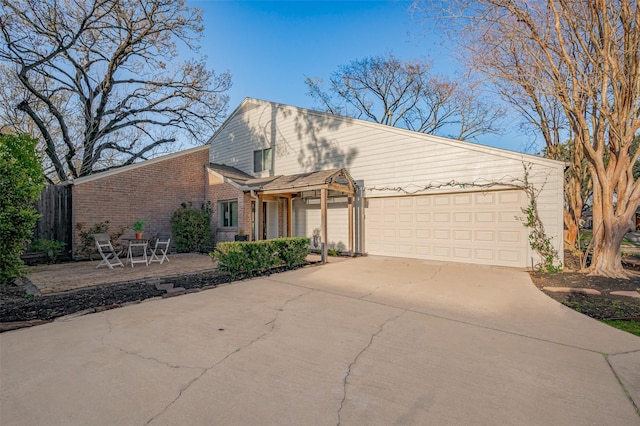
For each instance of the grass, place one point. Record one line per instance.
(586, 235)
(632, 327)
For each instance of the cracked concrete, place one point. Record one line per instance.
(364, 341)
(352, 364)
(272, 325)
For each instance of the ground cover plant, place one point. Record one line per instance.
(622, 312)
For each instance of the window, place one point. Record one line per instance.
(228, 214)
(262, 160)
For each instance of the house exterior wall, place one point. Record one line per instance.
(386, 161)
(149, 191)
(218, 191)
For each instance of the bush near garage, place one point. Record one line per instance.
(253, 257)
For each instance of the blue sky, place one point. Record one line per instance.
(269, 47)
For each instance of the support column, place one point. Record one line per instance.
(289, 215)
(323, 222)
(259, 218)
(351, 227)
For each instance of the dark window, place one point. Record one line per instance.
(228, 213)
(262, 160)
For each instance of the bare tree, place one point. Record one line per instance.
(102, 82)
(583, 56)
(405, 94)
(542, 113)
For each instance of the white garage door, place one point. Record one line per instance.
(469, 227)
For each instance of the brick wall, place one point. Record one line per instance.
(149, 191)
(218, 190)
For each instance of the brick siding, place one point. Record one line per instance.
(218, 191)
(149, 192)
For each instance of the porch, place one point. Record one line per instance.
(271, 201)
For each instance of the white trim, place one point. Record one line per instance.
(134, 166)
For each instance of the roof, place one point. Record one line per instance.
(238, 178)
(336, 178)
(133, 166)
(251, 103)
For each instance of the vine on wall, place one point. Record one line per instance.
(538, 239)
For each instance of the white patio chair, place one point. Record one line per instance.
(161, 248)
(107, 252)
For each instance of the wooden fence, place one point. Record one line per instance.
(54, 223)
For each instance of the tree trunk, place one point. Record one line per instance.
(608, 231)
(607, 257)
(572, 231)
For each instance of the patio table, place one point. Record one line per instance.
(136, 243)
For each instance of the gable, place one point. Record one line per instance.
(376, 155)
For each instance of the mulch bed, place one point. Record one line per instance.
(16, 306)
(605, 306)
(19, 309)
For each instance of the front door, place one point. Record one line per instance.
(269, 220)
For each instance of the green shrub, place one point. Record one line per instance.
(87, 247)
(291, 251)
(50, 248)
(190, 228)
(251, 257)
(21, 182)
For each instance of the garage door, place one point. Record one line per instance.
(469, 227)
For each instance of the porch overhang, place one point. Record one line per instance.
(337, 180)
(287, 186)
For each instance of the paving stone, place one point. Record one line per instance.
(76, 314)
(634, 294)
(165, 286)
(176, 290)
(590, 291)
(15, 325)
(107, 307)
(174, 293)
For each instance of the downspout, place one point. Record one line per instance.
(255, 213)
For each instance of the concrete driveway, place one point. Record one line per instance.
(368, 341)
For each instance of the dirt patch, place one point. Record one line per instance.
(604, 306)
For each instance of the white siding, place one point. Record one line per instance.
(384, 160)
(306, 220)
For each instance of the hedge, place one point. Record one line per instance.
(251, 257)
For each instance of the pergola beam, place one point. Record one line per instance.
(323, 223)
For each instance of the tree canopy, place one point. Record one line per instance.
(573, 69)
(405, 94)
(107, 82)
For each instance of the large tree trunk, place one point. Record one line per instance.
(607, 258)
(609, 229)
